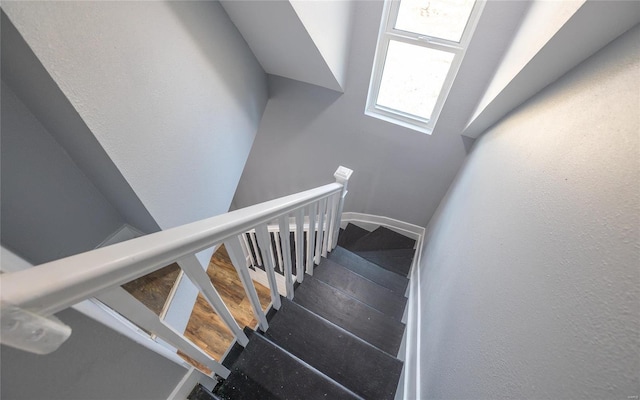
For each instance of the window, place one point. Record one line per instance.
(420, 47)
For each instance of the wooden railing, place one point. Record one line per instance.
(30, 297)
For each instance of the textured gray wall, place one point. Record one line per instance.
(94, 363)
(530, 282)
(307, 131)
(170, 90)
(50, 209)
(27, 77)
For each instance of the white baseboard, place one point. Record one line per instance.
(409, 386)
(413, 349)
(188, 382)
(124, 233)
(404, 228)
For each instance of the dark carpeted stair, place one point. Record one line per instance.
(368, 292)
(339, 337)
(267, 371)
(395, 260)
(367, 323)
(350, 235)
(369, 270)
(344, 357)
(382, 239)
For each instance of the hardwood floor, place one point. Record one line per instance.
(153, 289)
(205, 328)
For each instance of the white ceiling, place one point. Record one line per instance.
(304, 41)
(591, 26)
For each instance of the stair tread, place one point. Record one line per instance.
(382, 239)
(382, 299)
(266, 371)
(350, 234)
(369, 270)
(396, 260)
(367, 323)
(347, 359)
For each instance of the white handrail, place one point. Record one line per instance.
(48, 288)
(54, 286)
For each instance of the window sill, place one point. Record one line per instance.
(398, 120)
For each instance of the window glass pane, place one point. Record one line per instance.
(412, 78)
(445, 19)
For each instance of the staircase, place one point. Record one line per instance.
(334, 326)
(339, 336)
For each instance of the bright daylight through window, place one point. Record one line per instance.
(420, 47)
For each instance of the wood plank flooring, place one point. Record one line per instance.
(153, 289)
(205, 328)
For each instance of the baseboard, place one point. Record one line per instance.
(412, 343)
(124, 233)
(404, 228)
(188, 382)
(409, 386)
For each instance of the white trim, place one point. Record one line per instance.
(125, 232)
(413, 313)
(413, 351)
(188, 382)
(410, 230)
(386, 34)
(172, 294)
(260, 276)
(97, 311)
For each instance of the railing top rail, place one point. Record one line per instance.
(54, 286)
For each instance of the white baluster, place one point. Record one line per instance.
(332, 213)
(248, 256)
(322, 209)
(197, 275)
(252, 235)
(342, 175)
(286, 253)
(300, 245)
(263, 237)
(235, 253)
(327, 219)
(128, 306)
(276, 240)
(311, 240)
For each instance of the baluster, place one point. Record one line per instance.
(311, 240)
(128, 306)
(286, 253)
(322, 207)
(246, 250)
(235, 253)
(331, 221)
(276, 240)
(197, 275)
(300, 245)
(263, 237)
(342, 176)
(256, 249)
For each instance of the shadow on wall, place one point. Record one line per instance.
(27, 77)
(220, 53)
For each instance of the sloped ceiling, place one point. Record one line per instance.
(576, 29)
(300, 40)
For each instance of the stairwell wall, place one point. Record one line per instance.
(50, 209)
(307, 131)
(171, 91)
(530, 282)
(94, 363)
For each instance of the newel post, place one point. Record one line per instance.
(342, 176)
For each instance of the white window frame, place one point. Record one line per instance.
(388, 33)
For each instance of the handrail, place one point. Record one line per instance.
(54, 286)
